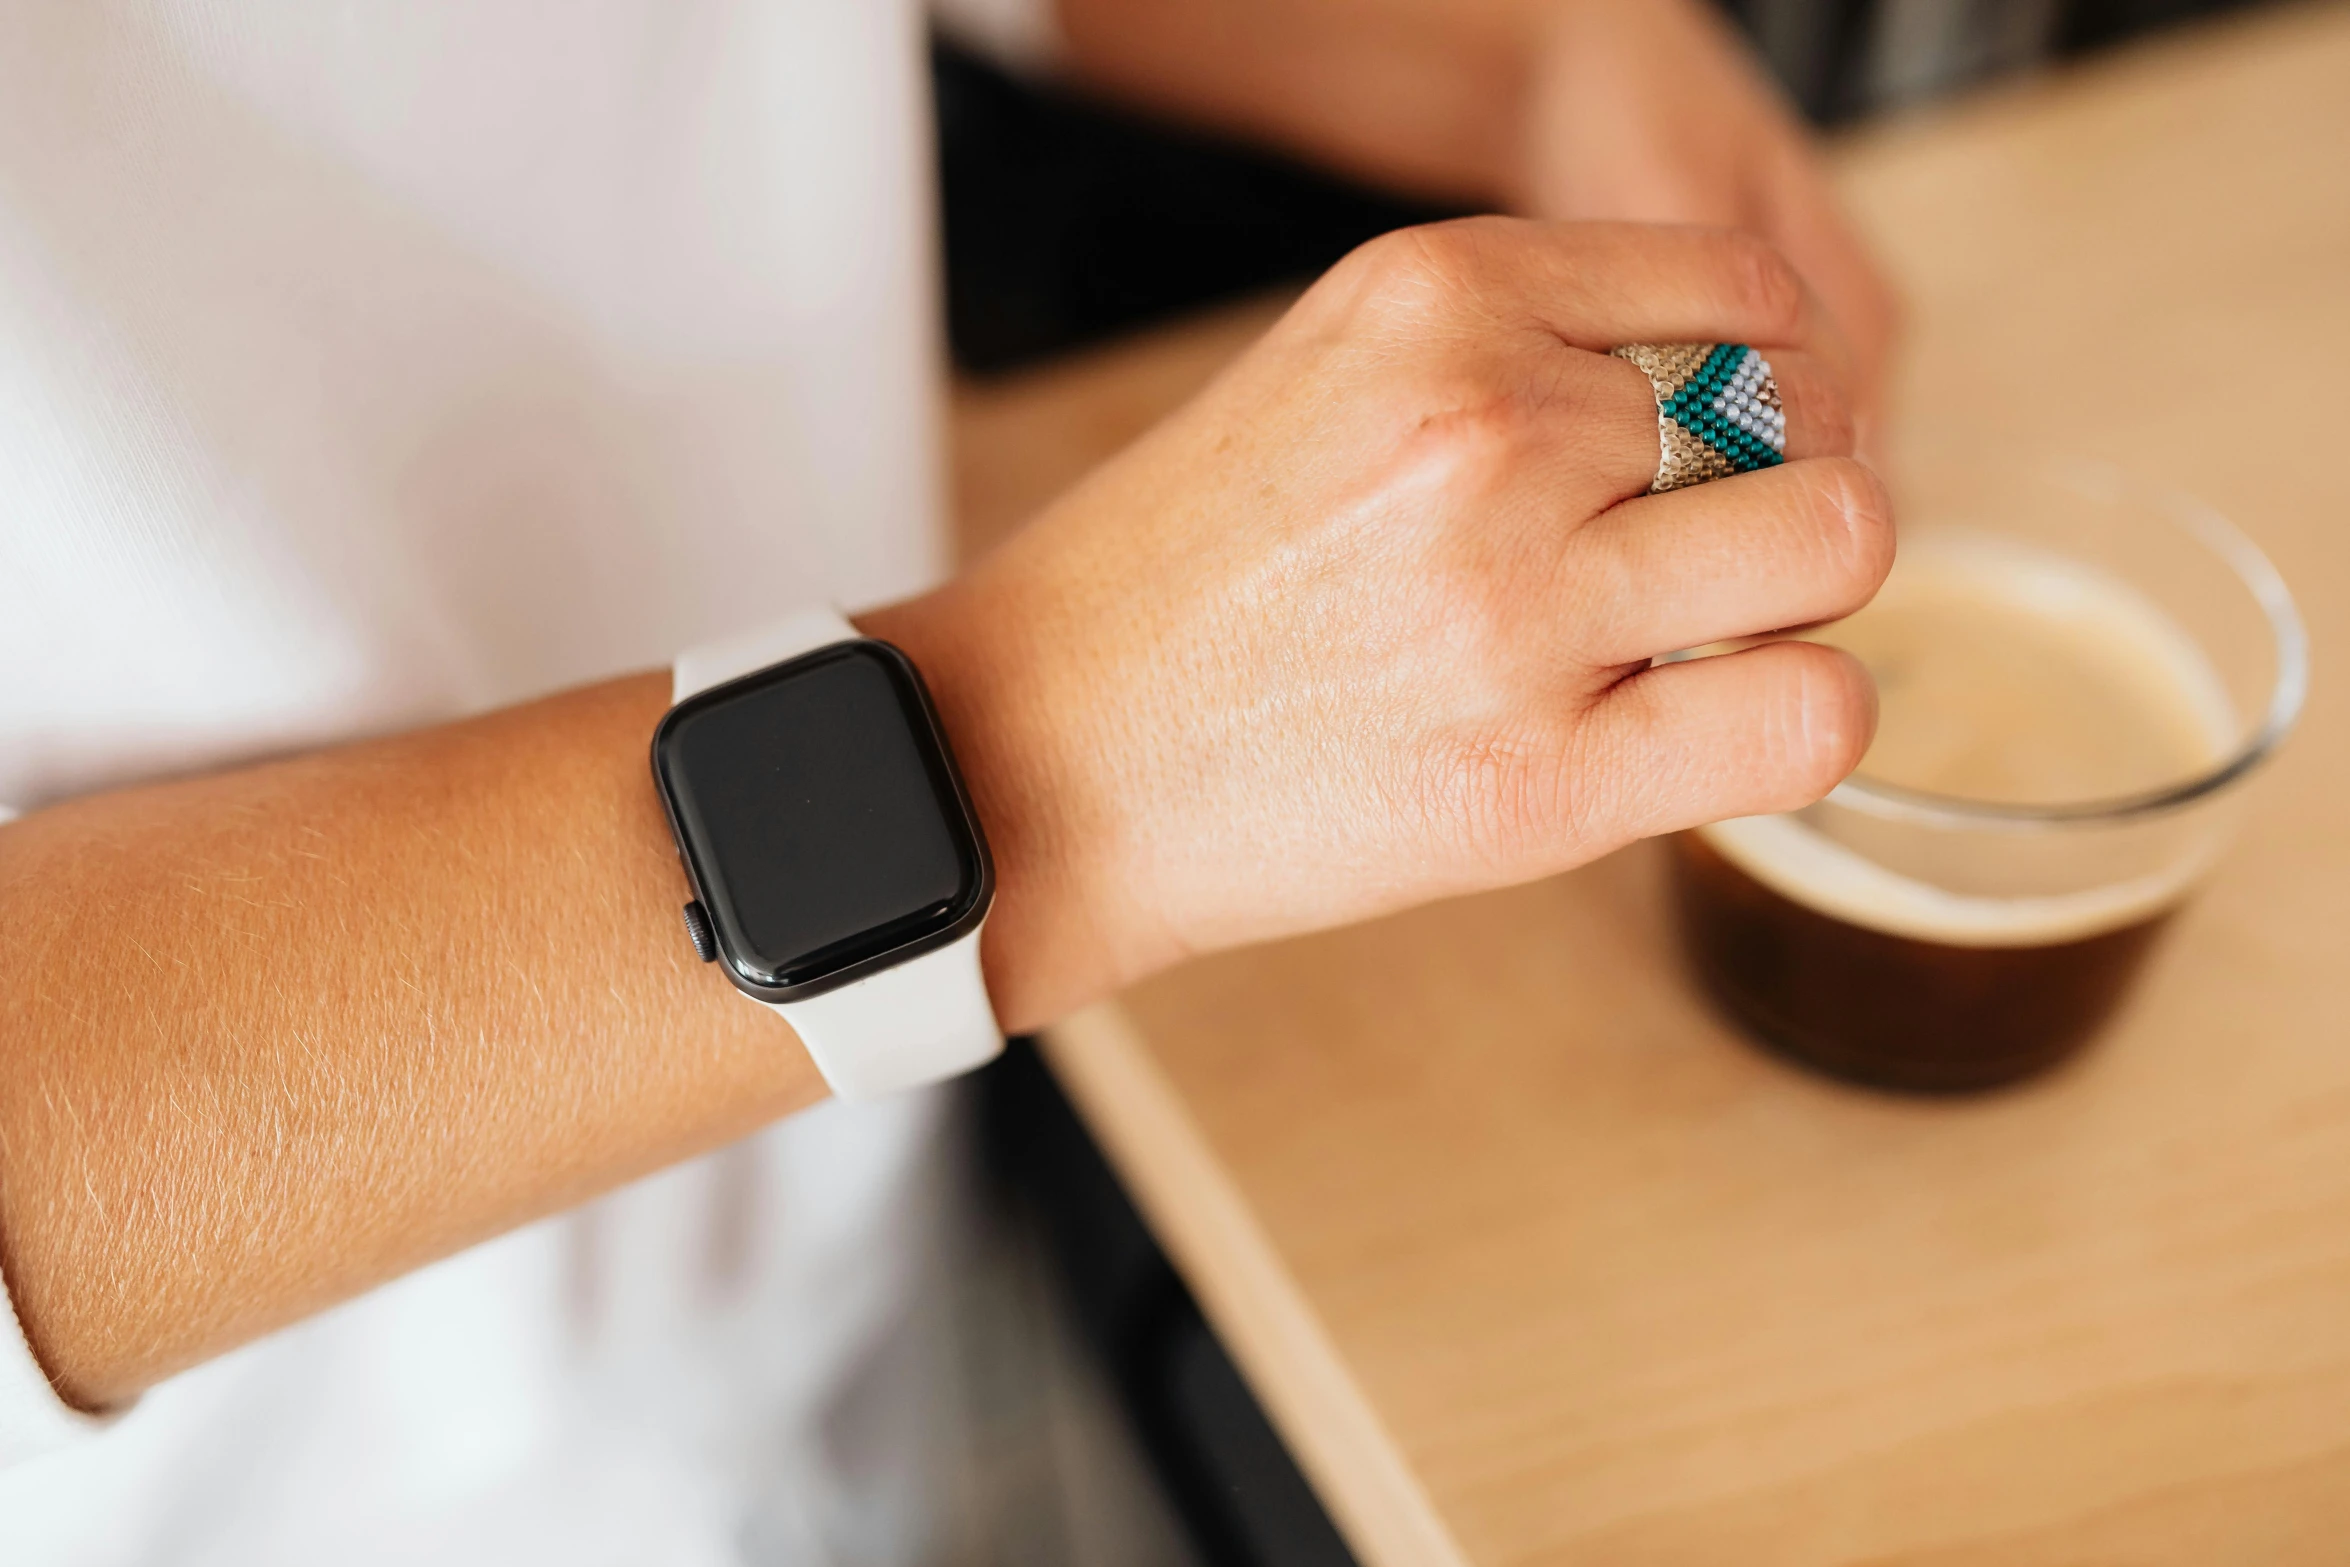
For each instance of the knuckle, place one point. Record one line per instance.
(1608, 595)
(1500, 791)
(1616, 774)
(1385, 260)
(1490, 775)
(1837, 430)
(1469, 437)
(1868, 517)
(1424, 271)
(1855, 518)
(1764, 288)
(1473, 419)
(1399, 274)
(1477, 779)
(1821, 413)
(1824, 720)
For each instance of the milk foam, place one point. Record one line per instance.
(2008, 673)
(2005, 673)
(1809, 868)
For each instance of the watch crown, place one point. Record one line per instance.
(697, 927)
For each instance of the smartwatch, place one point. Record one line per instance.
(838, 871)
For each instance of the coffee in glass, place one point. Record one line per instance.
(2074, 677)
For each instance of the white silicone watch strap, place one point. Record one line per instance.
(924, 1020)
(714, 663)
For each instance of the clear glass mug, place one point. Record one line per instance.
(2077, 675)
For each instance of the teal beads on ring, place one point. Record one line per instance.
(1720, 405)
(1718, 410)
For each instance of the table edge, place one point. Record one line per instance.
(1201, 1218)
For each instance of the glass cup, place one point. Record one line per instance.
(2076, 675)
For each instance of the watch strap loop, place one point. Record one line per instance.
(933, 1009)
(746, 652)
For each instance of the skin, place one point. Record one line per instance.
(1644, 110)
(1367, 623)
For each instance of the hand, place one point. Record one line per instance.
(1652, 111)
(1642, 110)
(1370, 621)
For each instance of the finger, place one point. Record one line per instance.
(1764, 551)
(1601, 285)
(1770, 729)
(1806, 224)
(1593, 286)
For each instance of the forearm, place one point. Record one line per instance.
(1369, 622)
(1649, 110)
(1421, 95)
(278, 1034)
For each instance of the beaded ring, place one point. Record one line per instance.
(1717, 410)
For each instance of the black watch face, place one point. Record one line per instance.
(821, 818)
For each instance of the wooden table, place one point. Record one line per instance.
(1533, 1262)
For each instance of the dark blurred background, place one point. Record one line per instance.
(1067, 221)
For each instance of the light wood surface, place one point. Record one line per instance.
(1533, 1262)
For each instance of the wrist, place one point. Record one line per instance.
(1410, 96)
(1062, 931)
(1507, 63)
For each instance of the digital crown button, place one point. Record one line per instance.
(697, 927)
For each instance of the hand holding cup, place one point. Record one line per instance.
(1369, 622)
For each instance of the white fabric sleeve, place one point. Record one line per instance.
(1021, 35)
(33, 1419)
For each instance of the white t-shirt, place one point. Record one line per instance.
(371, 363)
